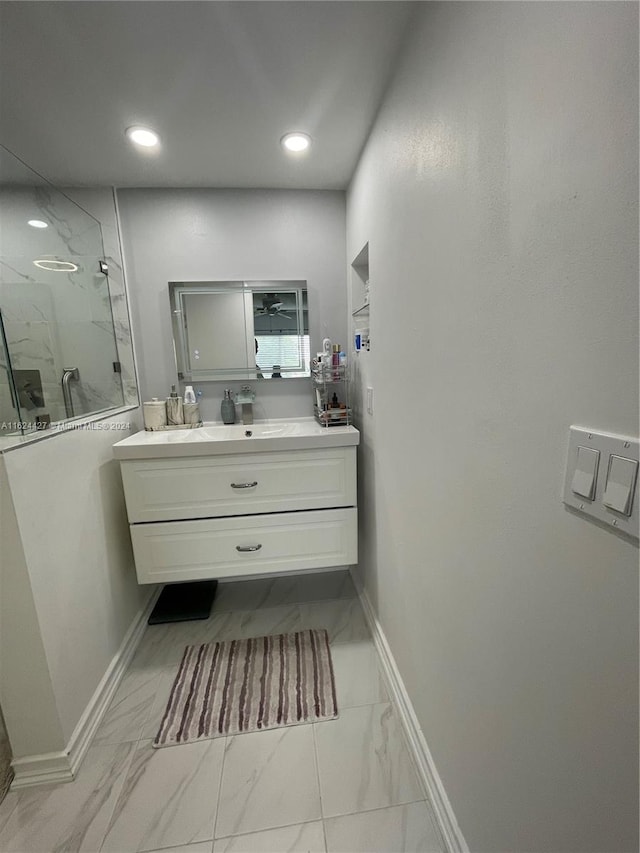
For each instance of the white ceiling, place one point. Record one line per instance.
(220, 81)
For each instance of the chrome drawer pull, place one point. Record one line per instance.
(244, 485)
(248, 547)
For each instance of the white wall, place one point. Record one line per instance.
(209, 234)
(69, 503)
(498, 193)
(68, 588)
(26, 692)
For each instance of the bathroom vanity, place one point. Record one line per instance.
(231, 501)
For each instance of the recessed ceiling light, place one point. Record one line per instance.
(143, 136)
(55, 266)
(296, 142)
(37, 223)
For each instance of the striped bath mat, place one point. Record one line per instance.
(249, 685)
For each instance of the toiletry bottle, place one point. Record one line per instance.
(174, 408)
(191, 412)
(335, 361)
(191, 408)
(327, 351)
(228, 408)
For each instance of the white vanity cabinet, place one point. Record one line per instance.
(239, 514)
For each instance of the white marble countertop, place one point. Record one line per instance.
(214, 439)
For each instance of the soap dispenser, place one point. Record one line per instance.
(175, 416)
(228, 408)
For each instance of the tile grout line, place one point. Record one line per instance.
(215, 819)
(419, 799)
(257, 831)
(317, 761)
(377, 809)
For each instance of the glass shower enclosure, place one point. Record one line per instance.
(58, 350)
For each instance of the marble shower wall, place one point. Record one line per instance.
(100, 203)
(54, 320)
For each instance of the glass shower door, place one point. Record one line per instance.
(60, 338)
(56, 308)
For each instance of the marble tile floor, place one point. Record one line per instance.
(340, 786)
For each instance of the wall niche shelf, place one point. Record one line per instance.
(360, 297)
(362, 310)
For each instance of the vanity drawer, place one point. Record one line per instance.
(212, 487)
(217, 548)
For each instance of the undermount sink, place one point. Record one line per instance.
(233, 432)
(294, 434)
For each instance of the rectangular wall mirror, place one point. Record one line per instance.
(240, 329)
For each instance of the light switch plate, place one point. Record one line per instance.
(607, 444)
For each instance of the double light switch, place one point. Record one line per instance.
(602, 477)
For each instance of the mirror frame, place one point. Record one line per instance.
(179, 290)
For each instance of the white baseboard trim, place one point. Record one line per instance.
(46, 768)
(63, 766)
(96, 708)
(436, 795)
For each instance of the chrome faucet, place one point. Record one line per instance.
(246, 397)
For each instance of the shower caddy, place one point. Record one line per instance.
(330, 382)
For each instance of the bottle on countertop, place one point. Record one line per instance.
(327, 351)
(335, 361)
(191, 408)
(228, 408)
(192, 416)
(175, 414)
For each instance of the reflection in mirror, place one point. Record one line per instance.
(240, 329)
(58, 357)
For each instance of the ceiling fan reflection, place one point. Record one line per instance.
(271, 307)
